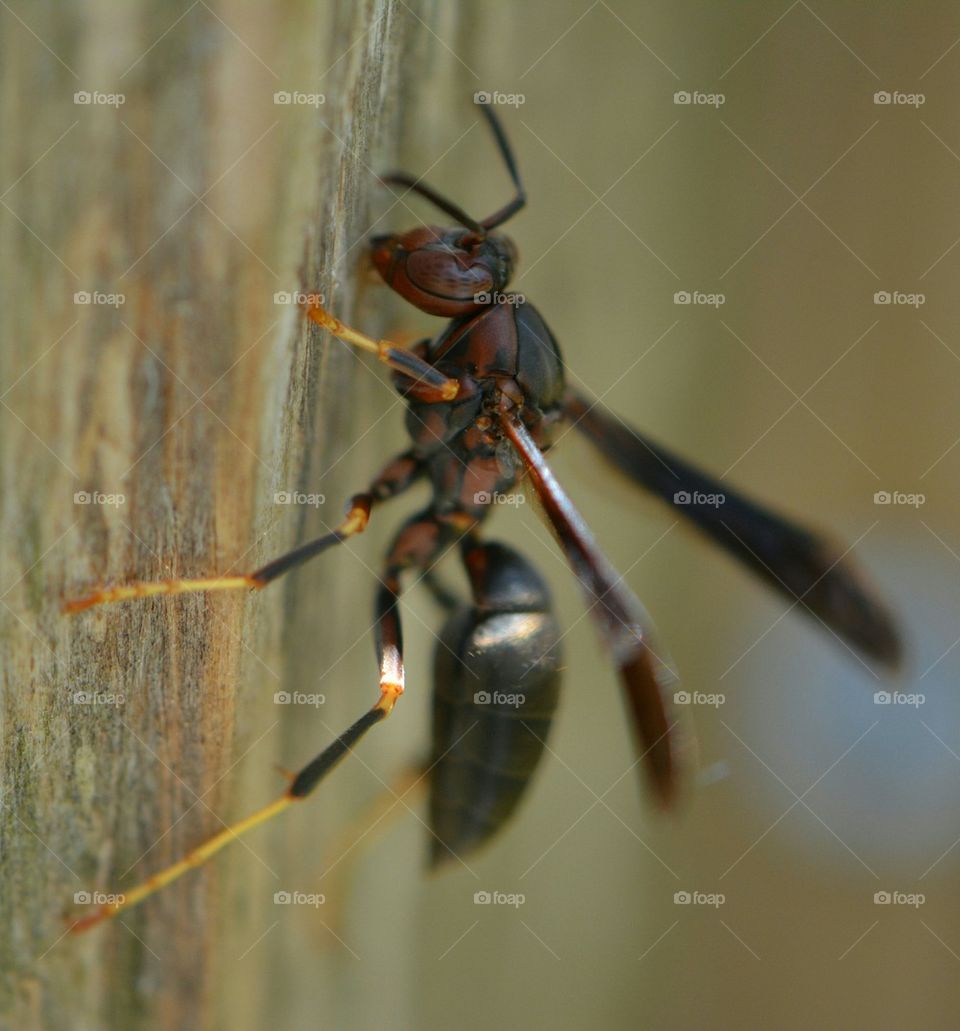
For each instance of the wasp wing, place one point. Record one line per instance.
(622, 621)
(805, 566)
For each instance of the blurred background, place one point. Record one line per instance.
(742, 227)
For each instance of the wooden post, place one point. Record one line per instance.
(164, 181)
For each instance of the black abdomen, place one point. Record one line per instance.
(496, 677)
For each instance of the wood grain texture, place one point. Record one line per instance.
(196, 398)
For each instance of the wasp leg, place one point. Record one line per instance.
(444, 596)
(395, 478)
(416, 546)
(429, 384)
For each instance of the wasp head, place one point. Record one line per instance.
(448, 272)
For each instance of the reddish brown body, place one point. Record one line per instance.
(502, 354)
(474, 449)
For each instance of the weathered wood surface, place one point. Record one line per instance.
(197, 398)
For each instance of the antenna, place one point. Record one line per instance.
(454, 210)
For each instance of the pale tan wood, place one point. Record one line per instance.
(197, 399)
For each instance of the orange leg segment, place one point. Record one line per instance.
(433, 385)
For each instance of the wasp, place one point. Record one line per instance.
(485, 400)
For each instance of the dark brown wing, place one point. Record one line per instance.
(619, 616)
(802, 565)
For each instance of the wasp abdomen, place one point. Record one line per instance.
(496, 686)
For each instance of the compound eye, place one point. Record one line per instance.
(468, 241)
